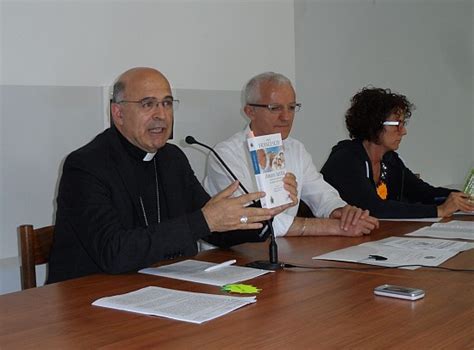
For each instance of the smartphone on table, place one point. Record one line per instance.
(390, 290)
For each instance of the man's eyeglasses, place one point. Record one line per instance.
(149, 103)
(278, 108)
(398, 123)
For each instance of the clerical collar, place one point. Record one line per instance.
(148, 157)
(134, 151)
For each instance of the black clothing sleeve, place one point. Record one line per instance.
(417, 190)
(409, 197)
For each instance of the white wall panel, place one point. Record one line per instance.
(200, 44)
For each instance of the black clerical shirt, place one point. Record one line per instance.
(147, 175)
(100, 225)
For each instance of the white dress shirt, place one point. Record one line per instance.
(321, 197)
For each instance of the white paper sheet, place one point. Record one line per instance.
(455, 229)
(426, 244)
(193, 270)
(464, 213)
(174, 304)
(465, 225)
(400, 251)
(414, 219)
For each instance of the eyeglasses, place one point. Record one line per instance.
(278, 108)
(398, 123)
(149, 103)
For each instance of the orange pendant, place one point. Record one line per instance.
(382, 190)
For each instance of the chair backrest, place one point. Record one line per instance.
(35, 245)
(304, 211)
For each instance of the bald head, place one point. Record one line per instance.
(138, 112)
(138, 75)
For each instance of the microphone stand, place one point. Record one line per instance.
(272, 263)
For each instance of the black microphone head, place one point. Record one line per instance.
(190, 140)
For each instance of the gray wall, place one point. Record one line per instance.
(423, 49)
(40, 126)
(210, 116)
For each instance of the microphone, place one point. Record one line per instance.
(273, 263)
(191, 141)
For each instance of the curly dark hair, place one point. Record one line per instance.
(370, 107)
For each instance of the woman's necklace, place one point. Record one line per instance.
(381, 185)
(382, 189)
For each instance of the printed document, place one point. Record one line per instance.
(455, 229)
(414, 219)
(177, 305)
(193, 270)
(396, 251)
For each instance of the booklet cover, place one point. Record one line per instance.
(268, 160)
(469, 185)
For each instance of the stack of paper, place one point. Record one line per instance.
(414, 219)
(455, 229)
(396, 251)
(193, 270)
(174, 304)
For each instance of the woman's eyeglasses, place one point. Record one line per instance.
(398, 123)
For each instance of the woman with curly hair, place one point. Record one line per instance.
(367, 171)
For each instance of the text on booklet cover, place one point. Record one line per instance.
(268, 160)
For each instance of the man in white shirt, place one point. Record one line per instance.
(270, 104)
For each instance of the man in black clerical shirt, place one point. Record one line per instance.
(129, 199)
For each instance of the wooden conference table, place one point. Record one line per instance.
(303, 309)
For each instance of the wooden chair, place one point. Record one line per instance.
(35, 245)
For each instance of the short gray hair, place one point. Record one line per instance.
(118, 91)
(252, 89)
